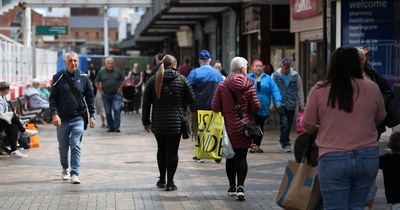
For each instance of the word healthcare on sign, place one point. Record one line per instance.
(209, 136)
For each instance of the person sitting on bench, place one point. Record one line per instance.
(10, 123)
(36, 101)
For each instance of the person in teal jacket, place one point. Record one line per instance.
(266, 90)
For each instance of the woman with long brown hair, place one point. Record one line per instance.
(167, 96)
(346, 110)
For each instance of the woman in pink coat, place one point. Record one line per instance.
(242, 87)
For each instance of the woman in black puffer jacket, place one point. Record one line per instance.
(165, 92)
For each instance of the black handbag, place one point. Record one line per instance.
(82, 106)
(185, 127)
(251, 129)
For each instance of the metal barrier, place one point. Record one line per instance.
(16, 64)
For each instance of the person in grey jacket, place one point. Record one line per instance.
(167, 96)
(291, 88)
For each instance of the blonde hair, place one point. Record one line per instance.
(167, 61)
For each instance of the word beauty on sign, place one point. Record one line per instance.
(209, 136)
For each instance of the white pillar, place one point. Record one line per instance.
(27, 27)
(122, 30)
(106, 50)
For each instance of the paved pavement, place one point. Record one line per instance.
(119, 171)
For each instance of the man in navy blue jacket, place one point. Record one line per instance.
(204, 81)
(67, 113)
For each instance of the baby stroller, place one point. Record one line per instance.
(128, 98)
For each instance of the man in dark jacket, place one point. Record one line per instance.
(204, 80)
(67, 113)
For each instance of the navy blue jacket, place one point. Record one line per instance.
(204, 81)
(63, 102)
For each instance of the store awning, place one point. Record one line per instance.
(167, 16)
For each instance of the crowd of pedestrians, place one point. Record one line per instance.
(348, 149)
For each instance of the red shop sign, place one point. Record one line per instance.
(302, 9)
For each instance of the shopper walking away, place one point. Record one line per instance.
(346, 110)
(239, 86)
(166, 97)
(204, 81)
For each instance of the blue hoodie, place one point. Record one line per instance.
(268, 88)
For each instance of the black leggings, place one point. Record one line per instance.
(260, 120)
(237, 166)
(12, 131)
(167, 156)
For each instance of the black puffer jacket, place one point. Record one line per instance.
(165, 117)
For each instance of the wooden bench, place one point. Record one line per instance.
(17, 109)
(24, 104)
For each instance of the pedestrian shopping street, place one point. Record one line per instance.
(119, 171)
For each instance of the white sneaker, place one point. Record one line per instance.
(65, 174)
(29, 133)
(18, 154)
(287, 148)
(75, 179)
(240, 194)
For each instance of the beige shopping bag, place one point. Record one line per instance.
(299, 189)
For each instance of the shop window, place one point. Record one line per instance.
(311, 63)
(76, 35)
(280, 17)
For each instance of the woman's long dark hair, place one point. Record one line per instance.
(344, 66)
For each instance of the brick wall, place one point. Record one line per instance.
(7, 18)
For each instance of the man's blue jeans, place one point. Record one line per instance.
(69, 135)
(112, 102)
(346, 177)
(286, 120)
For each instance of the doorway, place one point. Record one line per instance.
(311, 63)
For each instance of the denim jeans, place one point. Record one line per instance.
(112, 102)
(395, 206)
(69, 135)
(286, 120)
(346, 177)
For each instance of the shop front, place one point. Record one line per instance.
(307, 24)
(266, 33)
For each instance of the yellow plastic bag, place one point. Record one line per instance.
(209, 136)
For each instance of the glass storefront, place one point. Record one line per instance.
(278, 52)
(312, 63)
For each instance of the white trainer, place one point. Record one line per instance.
(65, 174)
(75, 179)
(18, 154)
(287, 148)
(29, 133)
